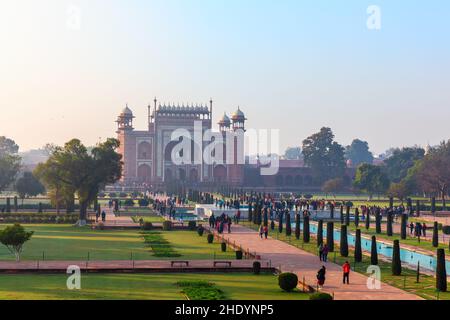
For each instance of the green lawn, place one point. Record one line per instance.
(65, 242)
(407, 281)
(235, 286)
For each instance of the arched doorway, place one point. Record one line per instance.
(144, 173)
(168, 177)
(289, 181)
(181, 174)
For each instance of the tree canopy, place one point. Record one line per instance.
(293, 153)
(371, 179)
(324, 156)
(9, 162)
(401, 160)
(29, 186)
(13, 237)
(358, 152)
(73, 169)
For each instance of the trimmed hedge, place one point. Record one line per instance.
(288, 281)
(210, 238)
(256, 267)
(167, 225)
(320, 296)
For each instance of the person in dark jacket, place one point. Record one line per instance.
(321, 277)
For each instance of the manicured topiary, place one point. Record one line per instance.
(16, 206)
(280, 223)
(192, 225)
(250, 213)
(321, 296)
(320, 233)
(374, 252)
(332, 211)
(446, 230)
(256, 267)
(347, 216)
(288, 224)
(330, 236)
(441, 273)
(210, 238)
(200, 230)
(418, 208)
(297, 226)
(8, 205)
(239, 255)
(306, 230)
(272, 225)
(223, 246)
(389, 230)
(367, 222)
(144, 202)
(288, 281)
(147, 225)
(435, 234)
(433, 205)
(403, 226)
(167, 225)
(396, 262)
(129, 202)
(358, 249)
(341, 216)
(344, 241)
(356, 217)
(378, 219)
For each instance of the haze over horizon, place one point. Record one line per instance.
(291, 66)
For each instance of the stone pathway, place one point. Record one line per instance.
(304, 264)
(117, 221)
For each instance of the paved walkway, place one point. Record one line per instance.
(117, 221)
(131, 265)
(292, 259)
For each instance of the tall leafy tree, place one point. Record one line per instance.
(358, 152)
(401, 160)
(9, 162)
(28, 186)
(433, 172)
(324, 156)
(86, 173)
(371, 179)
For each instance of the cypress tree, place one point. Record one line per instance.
(391, 202)
(418, 208)
(403, 229)
(435, 235)
(368, 219)
(347, 216)
(272, 225)
(250, 213)
(288, 224)
(378, 218)
(330, 236)
(344, 241)
(280, 223)
(332, 211)
(374, 252)
(8, 205)
(320, 233)
(433, 205)
(40, 207)
(389, 225)
(342, 214)
(306, 233)
(297, 226)
(358, 250)
(259, 216)
(441, 273)
(356, 217)
(16, 206)
(396, 262)
(266, 218)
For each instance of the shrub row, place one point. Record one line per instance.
(39, 218)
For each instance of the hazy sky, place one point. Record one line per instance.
(293, 65)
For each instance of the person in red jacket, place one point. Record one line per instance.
(346, 268)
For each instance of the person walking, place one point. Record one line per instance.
(411, 228)
(261, 231)
(321, 252)
(325, 251)
(266, 232)
(346, 270)
(229, 225)
(97, 215)
(321, 277)
(424, 230)
(103, 216)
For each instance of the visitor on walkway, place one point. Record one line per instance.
(321, 277)
(229, 225)
(261, 231)
(346, 269)
(97, 215)
(424, 230)
(266, 232)
(103, 216)
(238, 216)
(411, 228)
(325, 251)
(321, 252)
